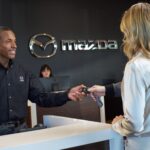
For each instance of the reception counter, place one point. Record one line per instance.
(62, 132)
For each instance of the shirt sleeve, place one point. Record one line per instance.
(117, 89)
(110, 90)
(133, 95)
(38, 95)
(113, 90)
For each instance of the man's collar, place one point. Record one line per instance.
(11, 62)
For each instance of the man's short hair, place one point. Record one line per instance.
(4, 28)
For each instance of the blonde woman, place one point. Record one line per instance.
(135, 88)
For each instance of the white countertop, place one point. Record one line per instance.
(74, 133)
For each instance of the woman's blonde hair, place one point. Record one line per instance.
(135, 25)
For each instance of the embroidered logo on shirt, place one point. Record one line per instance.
(21, 79)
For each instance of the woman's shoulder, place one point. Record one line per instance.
(139, 61)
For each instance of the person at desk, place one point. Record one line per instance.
(45, 71)
(135, 87)
(18, 85)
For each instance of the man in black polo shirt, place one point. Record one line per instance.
(18, 85)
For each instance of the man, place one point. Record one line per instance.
(17, 86)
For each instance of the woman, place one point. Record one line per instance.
(135, 88)
(45, 71)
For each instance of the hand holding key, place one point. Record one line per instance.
(86, 91)
(98, 90)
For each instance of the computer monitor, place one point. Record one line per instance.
(56, 83)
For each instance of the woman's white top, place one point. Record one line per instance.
(135, 92)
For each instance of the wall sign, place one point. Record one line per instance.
(88, 45)
(44, 45)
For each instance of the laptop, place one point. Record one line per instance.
(56, 84)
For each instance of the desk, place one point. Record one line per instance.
(64, 133)
(33, 113)
(102, 111)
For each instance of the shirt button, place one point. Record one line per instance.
(9, 97)
(8, 84)
(10, 110)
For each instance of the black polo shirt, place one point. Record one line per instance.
(17, 86)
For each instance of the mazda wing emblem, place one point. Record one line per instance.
(43, 45)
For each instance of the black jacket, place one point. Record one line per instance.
(17, 86)
(113, 90)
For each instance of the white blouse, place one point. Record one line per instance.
(135, 92)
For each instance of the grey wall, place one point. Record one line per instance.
(69, 19)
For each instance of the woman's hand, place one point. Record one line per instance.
(117, 118)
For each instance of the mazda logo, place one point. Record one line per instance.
(43, 45)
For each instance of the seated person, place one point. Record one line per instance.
(45, 71)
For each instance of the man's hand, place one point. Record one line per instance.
(75, 93)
